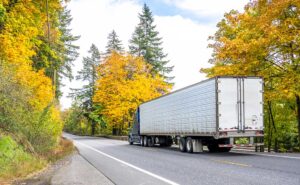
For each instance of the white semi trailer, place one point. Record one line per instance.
(215, 112)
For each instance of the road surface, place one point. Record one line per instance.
(126, 164)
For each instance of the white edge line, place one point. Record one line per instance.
(130, 165)
(268, 155)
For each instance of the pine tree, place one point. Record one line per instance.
(113, 44)
(88, 74)
(67, 50)
(56, 54)
(145, 42)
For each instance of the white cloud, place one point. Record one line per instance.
(184, 40)
(186, 43)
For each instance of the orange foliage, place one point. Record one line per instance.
(124, 83)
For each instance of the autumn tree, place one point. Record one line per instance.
(55, 53)
(89, 75)
(125, 83)
(113, 44)
(28, 109)
(146, 42)
(263, 41)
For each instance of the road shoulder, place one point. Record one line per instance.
(79, 171)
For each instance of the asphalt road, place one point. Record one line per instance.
(126, 164)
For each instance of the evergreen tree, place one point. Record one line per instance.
(88, 74)
(56, 54)
(114, 44)
(68, 51)
(145, 42)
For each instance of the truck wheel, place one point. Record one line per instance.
(129, 140)
(150, 141)
(189, 145)
(169, 141)
(182, 144)
(142, 141)
(145, 141)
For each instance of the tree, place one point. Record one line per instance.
(125, 83)
(56, 52)
(263, 41)
(89, 75)
(145, 42)
(65, 48)
(113, 44)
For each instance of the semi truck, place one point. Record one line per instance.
(216, 113)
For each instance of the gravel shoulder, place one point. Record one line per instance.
(71, 170)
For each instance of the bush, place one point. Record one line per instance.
(39, 128)
(14, 161)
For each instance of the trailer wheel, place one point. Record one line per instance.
(189, 145)
(142, 140)
(150, 141)
(129, 140)
(145, 141)
(169, 141)
(182, 144)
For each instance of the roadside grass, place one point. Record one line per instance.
(17, 163)
(64, 148)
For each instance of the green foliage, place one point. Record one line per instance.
(75, 122)
(40, 128)
(2, 15)
(145, 42)
(12, 156)
(56, 52)
(29, 55)
(113, 44)
(79, 122)
(242, 141)
(85, 95)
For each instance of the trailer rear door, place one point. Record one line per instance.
(240, 104)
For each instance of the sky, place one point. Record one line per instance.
(184, 26)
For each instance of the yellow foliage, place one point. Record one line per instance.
(23, 25)
(124, 83)
(262, 41)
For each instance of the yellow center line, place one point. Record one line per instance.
(232, 163)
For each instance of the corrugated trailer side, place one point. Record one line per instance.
(191, 111)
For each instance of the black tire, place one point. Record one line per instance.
(169, 141)
(182, 144)
(150, 141)
(145, 141)
(189, 145)
(130, 141)
(142, 140)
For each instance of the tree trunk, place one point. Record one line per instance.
(298, 117)
(270, 133)
(273, 123)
